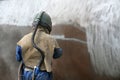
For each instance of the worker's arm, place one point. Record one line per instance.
(57, 53)
(22, 46)
(18, 53)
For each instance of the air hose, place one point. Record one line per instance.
(34, 44)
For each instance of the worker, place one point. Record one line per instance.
(36, 50)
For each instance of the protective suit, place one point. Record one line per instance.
(30, 56)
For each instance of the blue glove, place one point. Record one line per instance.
(18, 53)
(57, 53)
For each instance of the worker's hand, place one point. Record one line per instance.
(57, 53)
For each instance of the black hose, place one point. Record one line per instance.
(35, 46)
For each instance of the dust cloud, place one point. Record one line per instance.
(9, 35)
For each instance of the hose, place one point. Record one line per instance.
(35, 46)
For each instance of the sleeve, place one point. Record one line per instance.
(18, 53)
(21, 47)
(57, 51)
(24, 43)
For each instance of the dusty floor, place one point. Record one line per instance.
(73, 65)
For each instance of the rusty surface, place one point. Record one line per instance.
(73, 65)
